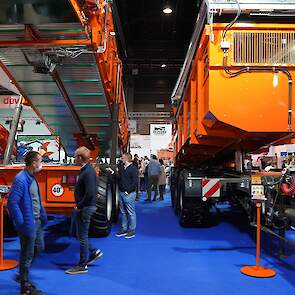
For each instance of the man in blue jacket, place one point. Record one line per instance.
(28, 215)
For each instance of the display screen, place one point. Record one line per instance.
(47, 145)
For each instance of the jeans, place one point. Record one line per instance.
(30, 248)
(83, 222)
(153, 184)
(127, 209)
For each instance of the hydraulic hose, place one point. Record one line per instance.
(228, 26)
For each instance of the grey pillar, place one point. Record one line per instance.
(12, 132)
(239, 161)
(115, 123)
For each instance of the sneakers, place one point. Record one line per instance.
(29, 289)
(96, 255)
(121, 233)
(130, 235)
(77, 270)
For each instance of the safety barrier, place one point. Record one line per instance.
(257, 270)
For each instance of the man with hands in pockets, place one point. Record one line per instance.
(128, 182)
(85, 197)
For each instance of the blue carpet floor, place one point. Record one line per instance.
(163, 259)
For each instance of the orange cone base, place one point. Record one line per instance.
(8, 264)
(258, 272)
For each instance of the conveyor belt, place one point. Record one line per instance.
(72, 99)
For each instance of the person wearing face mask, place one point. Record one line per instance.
(28, 215)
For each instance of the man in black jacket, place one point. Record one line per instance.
(85, 197)
(128, 183)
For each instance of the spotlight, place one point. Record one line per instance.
(167, 10)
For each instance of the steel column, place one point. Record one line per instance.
(115, 121)
(12, 132)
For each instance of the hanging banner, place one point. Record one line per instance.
(140, 145)
(161, 137)
(132, 126)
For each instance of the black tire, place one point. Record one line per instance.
(173, 194)
(178, 192)
(101, 223)
(176, 201)
(115, 203)
(173, 187)
(192, 211)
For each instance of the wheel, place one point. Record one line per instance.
(176, 199)
(173, 188)
(101, 223)
(172, 192)
(192, 211)
(115, 202)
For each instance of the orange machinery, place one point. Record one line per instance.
(238, 97)
(63, 59)
(66, 65)
(234, 95)
(56, 185)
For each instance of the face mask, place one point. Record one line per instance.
(38, 169)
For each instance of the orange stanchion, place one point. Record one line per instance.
(257, 270)
(4, 264)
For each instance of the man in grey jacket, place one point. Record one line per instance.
(154, 171)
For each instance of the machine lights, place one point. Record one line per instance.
(167, 10)
(167, 7)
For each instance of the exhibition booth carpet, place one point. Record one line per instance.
(164, 258)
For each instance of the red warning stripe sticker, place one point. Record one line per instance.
(211, 187)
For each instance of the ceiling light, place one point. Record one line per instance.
(163, 66)
(167, 10)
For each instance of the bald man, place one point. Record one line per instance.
(85, 197)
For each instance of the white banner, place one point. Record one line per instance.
(161, 136)
(132, 126)
(140, 144)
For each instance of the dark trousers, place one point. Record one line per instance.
(153, 185)
(137, 191)
(162, 191)
(142, 184)
(30, 248)
(146, 182)
(83, 219)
